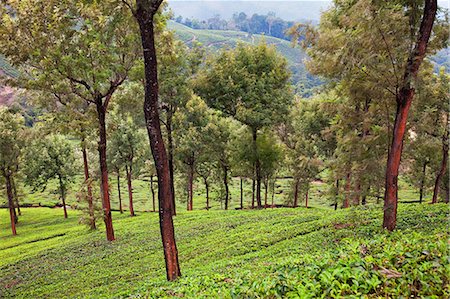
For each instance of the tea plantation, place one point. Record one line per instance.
(273, 253)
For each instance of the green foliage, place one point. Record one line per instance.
(11, 141)
(279, 253)
(49, 158)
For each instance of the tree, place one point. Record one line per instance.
(381, 51)
(144, 12)
(48, 159)
(126, 151)
(251, 85)
(11, 126)
(89, 50)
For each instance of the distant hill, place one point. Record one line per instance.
(287, 10)
(214, 40)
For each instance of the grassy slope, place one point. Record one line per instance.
(225, 254)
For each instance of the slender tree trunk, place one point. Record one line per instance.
(257, 168)
(422, 181)
(62, 189)
(337, 195)
(106, 204)
(87, 181)
(130, 189)
(119, 192)
(190, 187)
(16, 196)
(9, 192)
(347, 190)
(16, 218)
(266, 183)
(296, 193)
(253, 193)
(170, 157)
(443, 168)
(225, 184)
(207, 192)
(242, 192)
(152, 189)
(404, 98)
(144, 16)
(306, 198)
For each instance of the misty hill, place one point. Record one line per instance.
(287, 10)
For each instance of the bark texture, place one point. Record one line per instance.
(404, 98)
(144, 14)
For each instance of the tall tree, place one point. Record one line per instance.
(50, 159)
(392, 38)
(144, 12)
(11, 126)
(88, 49)
(251, 84)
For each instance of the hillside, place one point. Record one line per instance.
(274, 253)
(219, 39)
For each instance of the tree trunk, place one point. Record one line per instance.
(296, 193)
(170, 157)
(253, 193)
(443, 168)
(104, 185)
(62, 189)
(242, 192)
(404, 98)
(337, 195)
(306, 198)
(9, 192)
(92, 224)
(190, 187)
(207, 192)
(422, 181)
(152, 189)
(257, 168)
(16, 196)
(118, 191)
(130, 190)
(347, 190)
(225, 183)
(144, 16)
(266, 183)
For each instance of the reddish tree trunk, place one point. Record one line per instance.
(104, 184)
(347, 191)
(144, 16)
(404, 98)
(443, 168)
(273, 191)
(9, 192)
(92, 224)
(130, 190)
(170, 157)
(152, 189)
(16, 196)
(190, 187)
(296, 193)
(119, 192)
